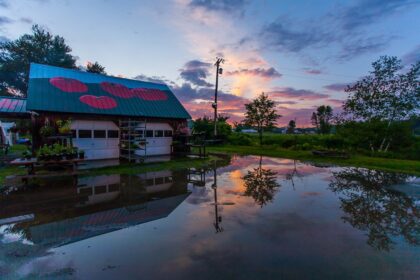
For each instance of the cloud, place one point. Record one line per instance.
(269, 73)
(198, 101)
(367, 12)
(3, 39)
(280, 36)
(335, 102)
(196, 72)
(153, 79)
(4, 3)
(301, 94)
(336, 87)
(5, 20)
(312, 71)
(364, 45)
(26, 20)
(345, 29)
(227, 6)
(412, 57)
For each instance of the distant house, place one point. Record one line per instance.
(107, 114)
(249, 130)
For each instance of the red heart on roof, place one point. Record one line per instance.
(68, 85)
(117, 90)
(99, 102)
(150, 94)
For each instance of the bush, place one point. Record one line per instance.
(240, 139)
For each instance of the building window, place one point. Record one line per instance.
(99, 134)
(150, 182)
(168, 133)
(100, 189)
(113, 187)
(83, 133)
(149, 133)
(113, 134)
(159, 180)
(74, 133)
(140, 133)
(158, 133)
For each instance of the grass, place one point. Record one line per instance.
(385, 164)
(125, 168)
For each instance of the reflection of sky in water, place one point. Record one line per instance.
(299, 234)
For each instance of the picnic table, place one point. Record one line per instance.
(33, 163)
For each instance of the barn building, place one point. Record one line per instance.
(110, 117)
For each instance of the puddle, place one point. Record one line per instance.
(253, 218)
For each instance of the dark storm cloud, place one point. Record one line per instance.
(196, 72)
(220, 5)
(269, 73)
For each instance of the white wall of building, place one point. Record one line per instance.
(97, 139)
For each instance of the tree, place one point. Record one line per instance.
(95, 68)
(386, 95)
(369, 205)
(321, 119)
(205, 125)
(291, 127)
(261, 113)
(261, 184)
(39, 47)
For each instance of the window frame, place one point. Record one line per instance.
(84, 130)
(101, 130)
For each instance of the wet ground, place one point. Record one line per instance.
(248, 218)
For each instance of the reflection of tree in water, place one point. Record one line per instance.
(381, 212)
(261, 184)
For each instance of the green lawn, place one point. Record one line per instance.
(397, 165)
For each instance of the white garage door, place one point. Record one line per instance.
(99, 139)
(159, 139)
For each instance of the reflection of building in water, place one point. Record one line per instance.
(64, 214)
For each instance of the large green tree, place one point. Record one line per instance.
(40, 47)
(389, 94)
(321, 119)
(261, 114)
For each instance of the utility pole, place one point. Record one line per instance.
(214, 105)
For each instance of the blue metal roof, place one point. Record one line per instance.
(56, 89)
(12, 105)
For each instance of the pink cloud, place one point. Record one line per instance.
(302, 94)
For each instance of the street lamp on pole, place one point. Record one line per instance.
(214, 105)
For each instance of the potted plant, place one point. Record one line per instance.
(27, 155)
(57, 152)
(46, 131)
(64, 127)
(81, 154)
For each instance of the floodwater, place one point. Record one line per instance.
(243, 218)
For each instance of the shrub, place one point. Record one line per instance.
(240, 139)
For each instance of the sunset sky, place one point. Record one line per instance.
(301, 53)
